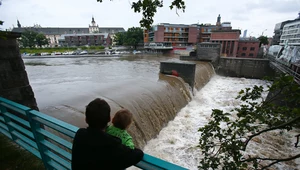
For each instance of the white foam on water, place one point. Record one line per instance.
(177, 142)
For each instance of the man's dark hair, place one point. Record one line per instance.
(97, 113)
(122, 119)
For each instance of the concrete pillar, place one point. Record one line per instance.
(235, 48)
(184, 70)
(14, 83)
(226, 48)
(230, 45)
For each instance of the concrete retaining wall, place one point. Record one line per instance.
(185, 70)
(244, 67)
(208, 51)
(14, 84)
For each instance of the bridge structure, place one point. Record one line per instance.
(283, 67)
(50, 139)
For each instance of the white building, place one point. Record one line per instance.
(54, 33)
(291, 34)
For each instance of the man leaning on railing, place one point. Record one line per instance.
(95, 149)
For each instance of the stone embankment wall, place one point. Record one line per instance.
(14, 83)
(244, 67)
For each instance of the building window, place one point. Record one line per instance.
(251, 55)
(244, 49)
(252, 48)
(243, 54)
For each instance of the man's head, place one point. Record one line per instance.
(97, 113)
(122, 119)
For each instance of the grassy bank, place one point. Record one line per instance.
(59, 49)
(13, 157)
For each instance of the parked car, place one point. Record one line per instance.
(45, 54)
(83, 52)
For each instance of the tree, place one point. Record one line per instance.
(1, 22)
(119, 38)
(225, 138)
(31, 39)
(149, 8)
(41, 40)
(263, 40)
(134, 36)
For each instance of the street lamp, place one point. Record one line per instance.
(263, 32)
(250, 34)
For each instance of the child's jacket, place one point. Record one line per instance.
(122, 134)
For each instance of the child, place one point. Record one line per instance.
(121, 122)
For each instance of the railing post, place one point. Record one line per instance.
(38, 138)
(7, 120)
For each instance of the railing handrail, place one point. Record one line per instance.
(282, 66)
(32, 130)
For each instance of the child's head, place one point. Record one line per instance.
(122, 119)
(97, 113)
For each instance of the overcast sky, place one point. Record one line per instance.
(254, 15)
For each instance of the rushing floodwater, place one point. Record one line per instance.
(178, 141)
(56, 81)
(59, 79)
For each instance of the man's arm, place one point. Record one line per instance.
(128, 157)
(133, 157)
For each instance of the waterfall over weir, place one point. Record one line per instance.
(153, 103)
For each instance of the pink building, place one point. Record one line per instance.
(248, 48)
(175, 35)
(228, 39)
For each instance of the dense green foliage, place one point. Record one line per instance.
(119, 38)
(227, 135)
(263, 40)
(132, 37)
(148, 8)
(31, 39)
(41, 40)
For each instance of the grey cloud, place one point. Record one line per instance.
(279, 6)
(239, 17)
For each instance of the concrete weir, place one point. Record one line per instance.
(153, 103)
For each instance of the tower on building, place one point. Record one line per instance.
(93, 21)
(219, 20)
(93, 28)
(18, 23)
(245, 34)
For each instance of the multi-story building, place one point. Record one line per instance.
(228, 39)
(85, 39)
(205, 32)
(54, 33)
(291, 33)
(278, 30)
(248, 47)
(180, 35)
(176, 35)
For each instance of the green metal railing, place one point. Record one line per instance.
(35, 132)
